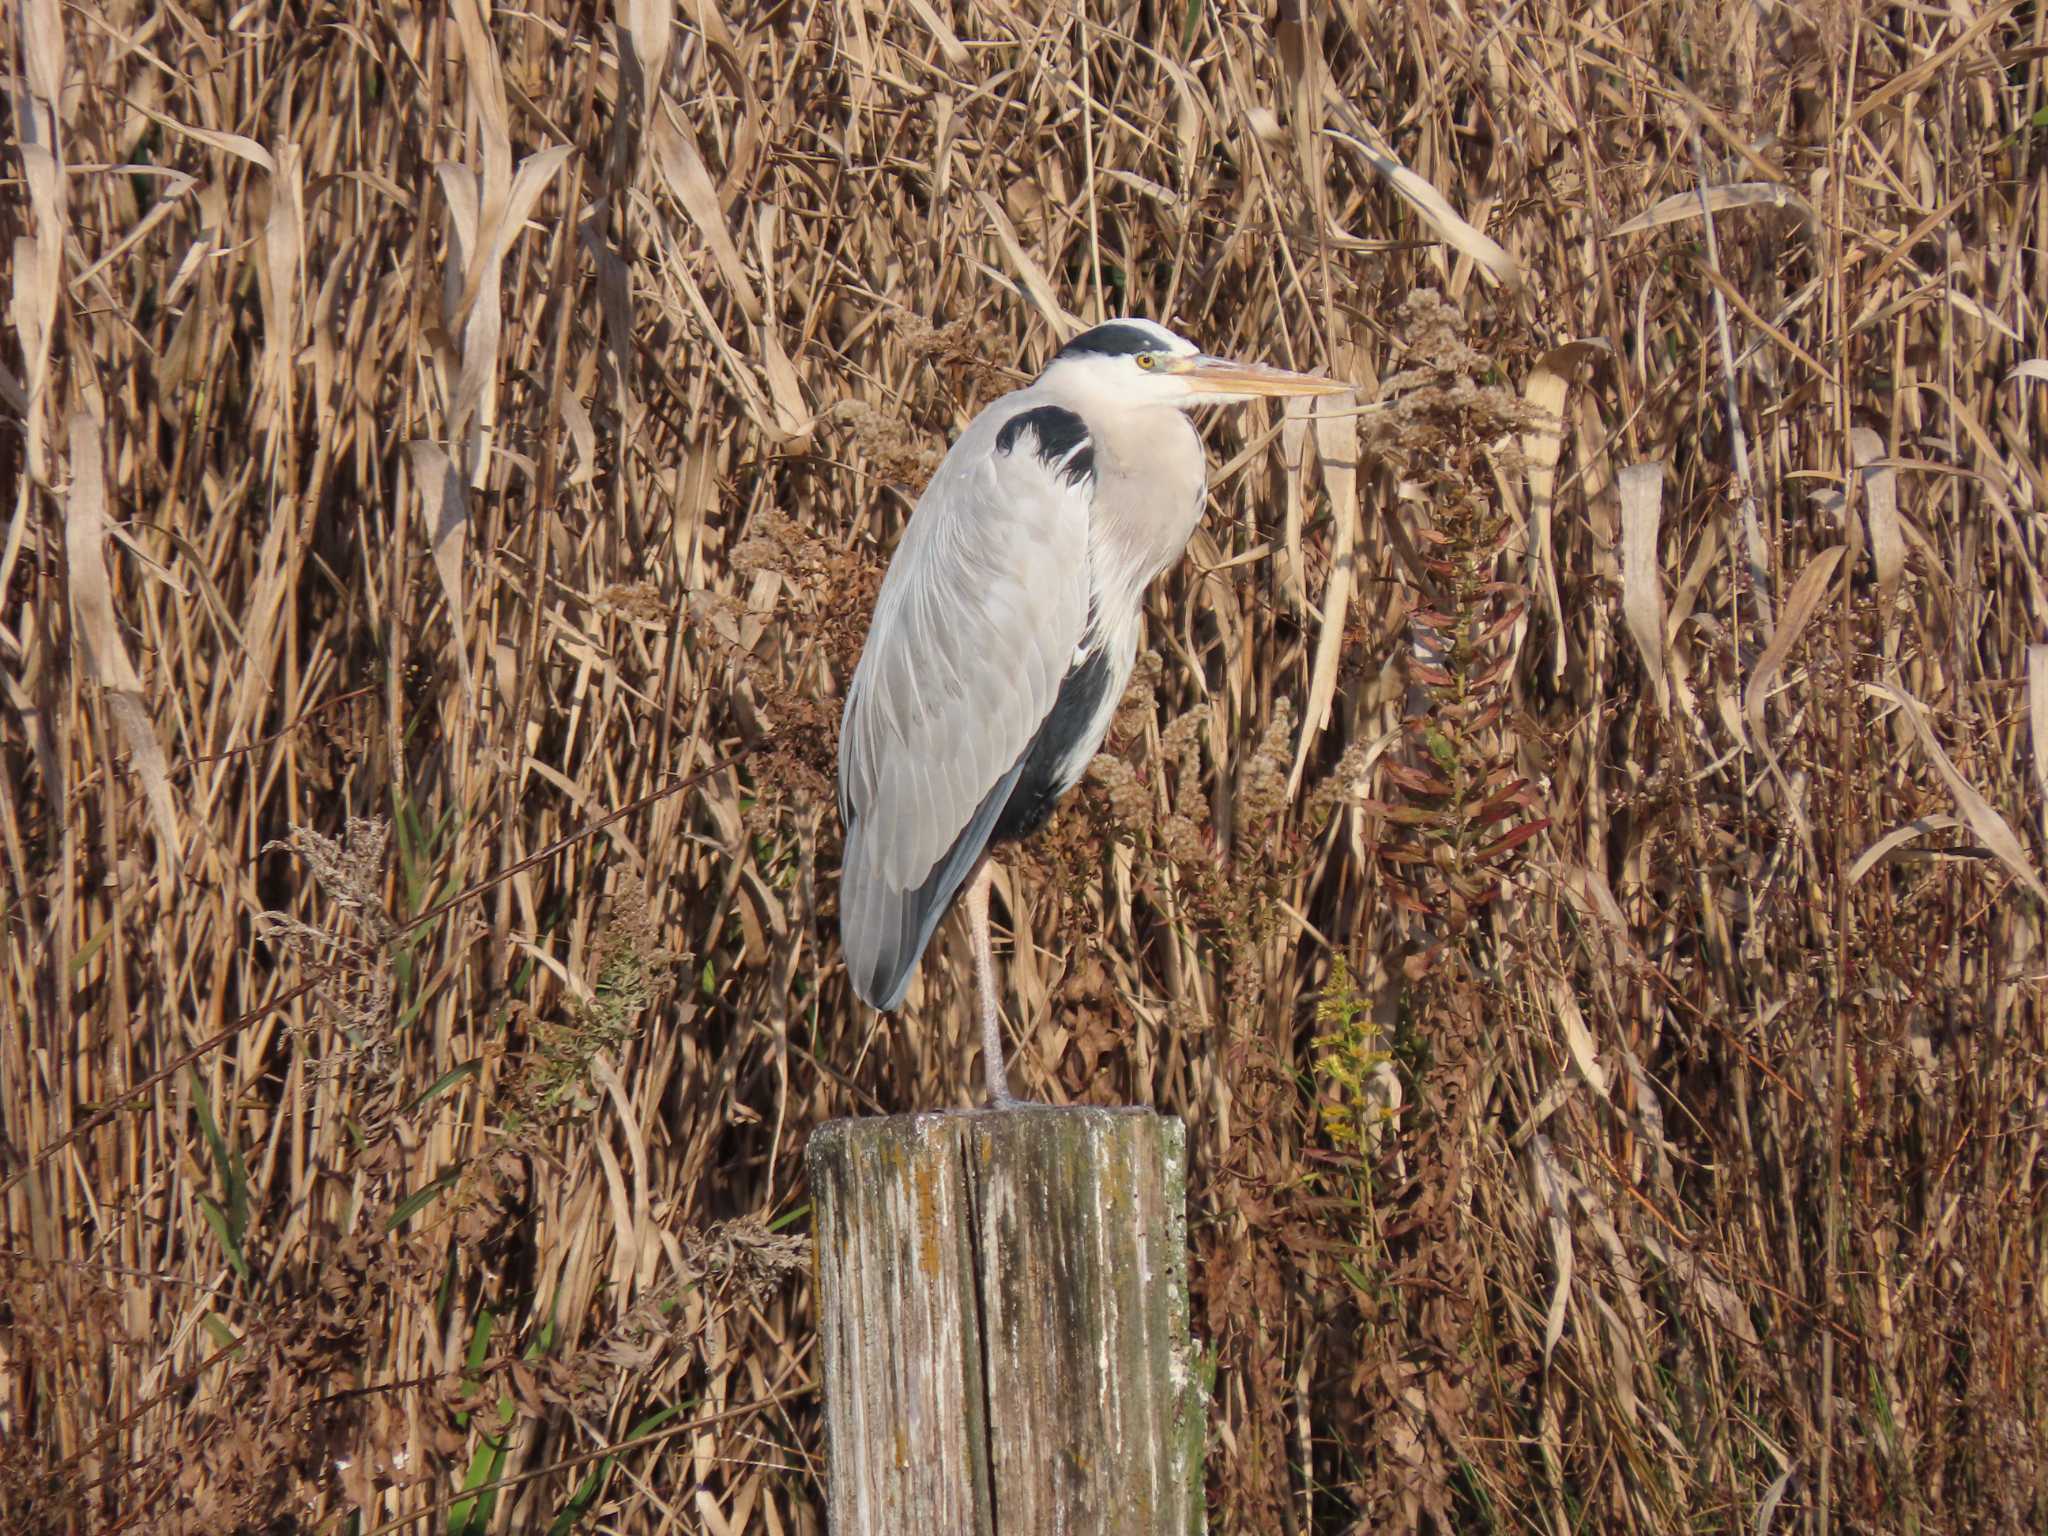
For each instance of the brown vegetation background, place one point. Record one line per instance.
(1572, 853)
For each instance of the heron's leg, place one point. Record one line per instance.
(985, 983)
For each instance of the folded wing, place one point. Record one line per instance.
(980, 616)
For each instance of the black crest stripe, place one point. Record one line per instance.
(1114, 340)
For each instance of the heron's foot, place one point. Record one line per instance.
(996, 1079)
(999, 1095)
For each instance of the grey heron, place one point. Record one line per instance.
(1006, 629)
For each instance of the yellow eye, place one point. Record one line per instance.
(1146, 361)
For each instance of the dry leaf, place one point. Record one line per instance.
(485, 79)
(1898, 837)
(444, 505)
(1642, 588)
(2037, 716)
(240, 145)
(1029, 272)
(483, 233)
(683, 172)
(583, 435)
(649, 26)
(1336, 430)
(278, 274)
(39, 259)
(1578, 1039)
(1881, 516)
(1295, 411)
(168, 202)
(42, 48)
(1807, 591)
(1434, 207)
(950, 47)
(1991, 828)
(1548, 387)
(1550, 1181)
(1696, 204)
(97, 630)
(1979, 313)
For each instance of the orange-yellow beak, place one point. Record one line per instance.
(1221, 376)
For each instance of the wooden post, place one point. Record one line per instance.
(1003, 1324)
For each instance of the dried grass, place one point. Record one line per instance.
(1573, 853)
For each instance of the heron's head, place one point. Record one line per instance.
(1140, 363)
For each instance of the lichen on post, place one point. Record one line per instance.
(1003, 1324)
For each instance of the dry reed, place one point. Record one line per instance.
(1573, 852)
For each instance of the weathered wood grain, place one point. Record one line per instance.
(1003, 1324)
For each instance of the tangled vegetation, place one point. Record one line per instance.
(1572, 851)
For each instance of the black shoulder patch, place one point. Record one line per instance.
(1062, 440)
(1115, 339)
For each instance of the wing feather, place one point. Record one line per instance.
(979, 615)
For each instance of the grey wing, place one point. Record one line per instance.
(982, 610)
